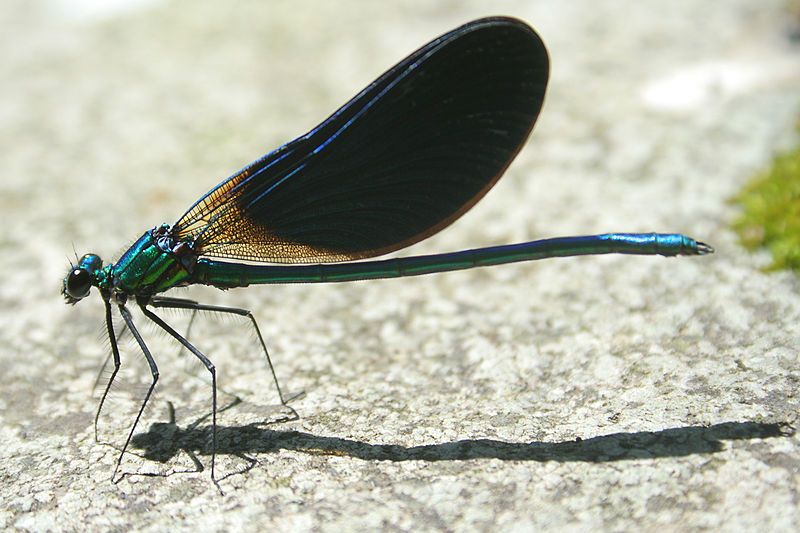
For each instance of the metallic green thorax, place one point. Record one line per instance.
(153, 264)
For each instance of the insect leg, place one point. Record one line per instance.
(179, 303)
(112, 338)
(212, 370)
(168, 302)
(126, 315)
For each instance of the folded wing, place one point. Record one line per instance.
(403, 159)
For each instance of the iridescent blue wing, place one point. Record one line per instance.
(403, 159)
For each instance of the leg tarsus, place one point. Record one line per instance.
(212, 370)
(153, 371)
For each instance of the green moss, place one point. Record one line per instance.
(771, 212)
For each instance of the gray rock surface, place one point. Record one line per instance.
(600, 392)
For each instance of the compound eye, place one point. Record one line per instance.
(79, 282)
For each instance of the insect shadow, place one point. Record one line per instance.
(165, 440)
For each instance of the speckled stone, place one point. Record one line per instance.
(620, 393)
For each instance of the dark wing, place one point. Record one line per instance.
(403, 159)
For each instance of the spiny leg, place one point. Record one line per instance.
(108, 358)
(212, 370)
(153, 370)
(179, 303)
(168, 302)
(112, 337)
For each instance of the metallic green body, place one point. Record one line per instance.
(227, 275)
(148, 267)
(158, 261)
